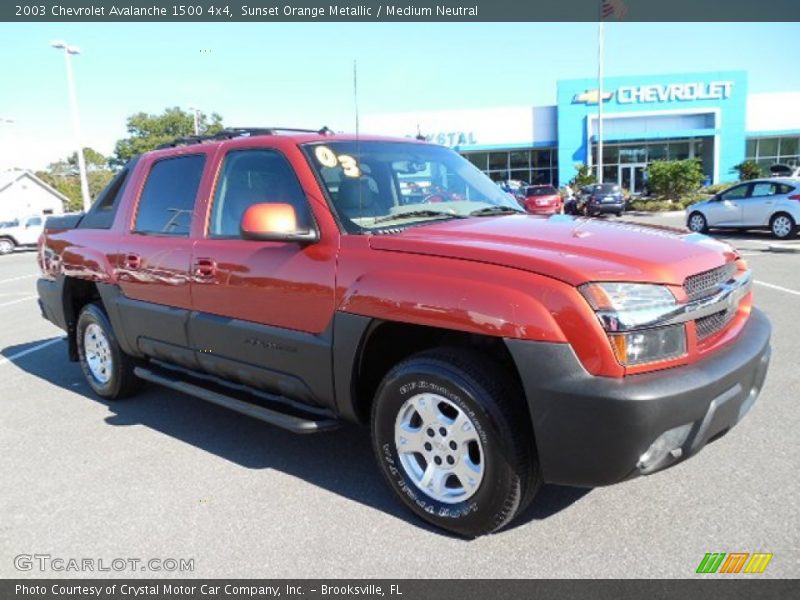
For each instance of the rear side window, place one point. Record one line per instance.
(166, 205)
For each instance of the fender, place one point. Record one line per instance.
(488, 307)
(87, 263)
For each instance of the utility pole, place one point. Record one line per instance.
(76, 125)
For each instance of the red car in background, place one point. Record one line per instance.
(541, 200)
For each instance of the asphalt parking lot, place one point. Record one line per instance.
(164, 475)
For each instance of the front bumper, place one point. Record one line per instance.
(593, 431)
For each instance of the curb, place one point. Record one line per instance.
(784, 249)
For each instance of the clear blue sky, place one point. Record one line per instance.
(301, 74)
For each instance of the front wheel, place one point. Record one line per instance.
(782, 226)
(697, 223)
(6, 246)
(454, 441)
(108, 370)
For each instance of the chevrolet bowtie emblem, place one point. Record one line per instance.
(591, 97)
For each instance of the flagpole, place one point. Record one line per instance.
(600, 97)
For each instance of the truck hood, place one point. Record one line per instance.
(575, 250)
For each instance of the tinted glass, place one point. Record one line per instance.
(541, 190)
(254, 177)
(101, 214)
(740, 191)
(167, 202)
(764, 189)
(607, 188)
(34, 222)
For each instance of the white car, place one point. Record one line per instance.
(20, 233)
(772, 204)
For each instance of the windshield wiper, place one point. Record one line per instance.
(412, 214)
(491, 211)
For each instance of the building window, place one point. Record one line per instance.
(538, 165)
(774, 150)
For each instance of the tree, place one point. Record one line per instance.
(148, 131)
(673, 179)
(584, 176)
(63, 175)
(747, 170)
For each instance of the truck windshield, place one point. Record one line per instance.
(380, 185)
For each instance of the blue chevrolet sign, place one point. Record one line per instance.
(704, 110)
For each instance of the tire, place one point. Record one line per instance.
(619, 214)
(782, 226)
(108, 370)
(6, 246)
(697, 222)
(494, 473)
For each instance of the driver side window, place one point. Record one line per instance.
(736, 193)
(253, 177)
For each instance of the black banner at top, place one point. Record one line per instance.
(265, 11)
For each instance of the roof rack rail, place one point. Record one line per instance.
(230, 133)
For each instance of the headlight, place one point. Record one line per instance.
(626, 306)
(629, 313)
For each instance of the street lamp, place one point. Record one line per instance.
(196, 112)
(73, 100)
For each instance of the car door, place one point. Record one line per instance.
(263, 310)
(759, 205)
(154, 258)
(726, 208)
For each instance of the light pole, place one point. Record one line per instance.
(73, 100)
(4, 121)
(196, 112)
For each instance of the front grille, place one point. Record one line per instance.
(708, 326)
(707, 283)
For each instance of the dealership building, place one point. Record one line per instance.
(709, 116)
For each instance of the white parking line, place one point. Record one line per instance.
(36, 348)
(777, 287)
(18, 278)
(26, 298)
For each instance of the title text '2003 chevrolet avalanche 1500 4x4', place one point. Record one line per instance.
(306, 278)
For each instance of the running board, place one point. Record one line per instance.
(293, 423)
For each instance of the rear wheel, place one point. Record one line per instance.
(6, 246)
(782, 226)
(108, 370)
(454, 441)
(697, 223)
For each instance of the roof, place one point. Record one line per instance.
(8, 178)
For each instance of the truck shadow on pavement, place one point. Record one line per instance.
(340, 461)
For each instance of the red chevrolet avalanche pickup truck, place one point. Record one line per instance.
(299, 278)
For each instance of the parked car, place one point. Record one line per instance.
(772, 204)
(279, 275)
(604, 198)
(541, 200)
(784, 171)
(20, 233)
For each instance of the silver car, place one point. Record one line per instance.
(772, 204)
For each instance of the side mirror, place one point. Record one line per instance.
(269, 222)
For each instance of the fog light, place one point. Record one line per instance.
(669, 442)
(649, 345)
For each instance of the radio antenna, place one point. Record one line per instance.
(358, 145)
(355, 91)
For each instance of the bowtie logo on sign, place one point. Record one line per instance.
(654, 93)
